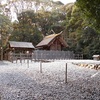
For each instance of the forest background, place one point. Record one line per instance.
(79, 23)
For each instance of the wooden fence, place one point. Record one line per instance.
(42, 54)
(45, 55)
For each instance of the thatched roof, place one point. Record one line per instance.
(48, 39)
(14, 44)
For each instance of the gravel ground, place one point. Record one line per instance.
(22, 82)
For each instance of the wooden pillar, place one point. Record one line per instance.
(21, 58)
(40, 66)
(1, 53)
(28, 63)
(66, 74)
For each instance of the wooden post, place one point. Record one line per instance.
(31, 56)
(1, 53)
(28, 59)
(16, 59)
(12, 57)
(28, 63)
(66, 74)
(40, 66)
(1, 45)
(21, 58)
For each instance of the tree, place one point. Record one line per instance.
(91, 9)
(5, 29)
(89, 42)
(81, 37)
(48, 21)
(26, 29)
(74, 19)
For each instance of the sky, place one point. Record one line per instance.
(65, 1)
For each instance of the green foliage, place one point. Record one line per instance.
(74, 19)
(32, 25)
(91, 9)
(5, 29)
(81, 37)
(26, 29)
(90, 42)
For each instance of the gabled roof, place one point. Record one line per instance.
(14, 44)
(48, 39)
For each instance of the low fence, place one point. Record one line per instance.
(19, 56)
(78, 56)
(42, 54)
(45, 55)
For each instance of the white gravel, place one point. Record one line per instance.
(20, 82)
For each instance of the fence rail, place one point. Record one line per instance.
(46, 55)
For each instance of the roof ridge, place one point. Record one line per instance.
(49, 36)
(20, 42)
